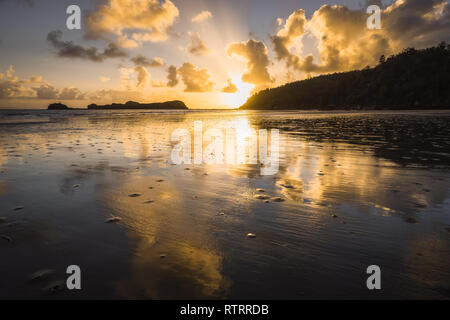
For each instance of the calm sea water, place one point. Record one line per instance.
(359, 189)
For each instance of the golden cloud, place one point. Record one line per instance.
(202, 16)
(345, 43)
(197, 47)
(132, 22)
(255, 54)
(230, 88)
(195, 79)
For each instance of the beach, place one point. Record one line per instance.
(99, 189)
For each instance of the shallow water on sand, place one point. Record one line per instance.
(358, 189)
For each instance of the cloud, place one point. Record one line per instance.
(134, 78)
(255, 54)
(202, 16)
(36, 79)
(288, 37)
(104, 79)
(46, 91)
(230, 88)
(11, 87)
(143, 77)
(132, 22)
(143, 61)
(172, 79)
(71, 93)
(345, 43)
(67, 49)
(49, 92)
(195, 79)
(197, 47)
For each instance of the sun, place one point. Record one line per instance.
(238, 98)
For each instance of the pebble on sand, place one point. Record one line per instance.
(75, 186)
(5, 237)
(221, 213)
(42, 274)
(54, 287)
(260, 190)
(134, 195)
(261, 197)
(278, 199)
(334, 215)
(162, 256)
(113, 220)
(160, 180)
(287, 186)
(411, 220)
(251, 235)
(19, 208)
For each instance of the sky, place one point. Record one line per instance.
(207, 53)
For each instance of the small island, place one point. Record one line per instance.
(169, 105)
(58, 106)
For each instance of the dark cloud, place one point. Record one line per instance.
(67, 49)
(46, 91)
(172, 79)
(142, 61)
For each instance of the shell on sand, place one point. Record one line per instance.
(278, 199)
(261, 197)
(113, 220)
(134, 195)
(41, 274)
(260, 190)
(251, 235)
(5, 237)
(54, 287)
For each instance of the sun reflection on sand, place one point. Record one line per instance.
(183, 230)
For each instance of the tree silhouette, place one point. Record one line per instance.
(410, 79)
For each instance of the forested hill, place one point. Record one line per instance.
(413, 79)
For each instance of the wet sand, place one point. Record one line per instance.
(98, 189)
